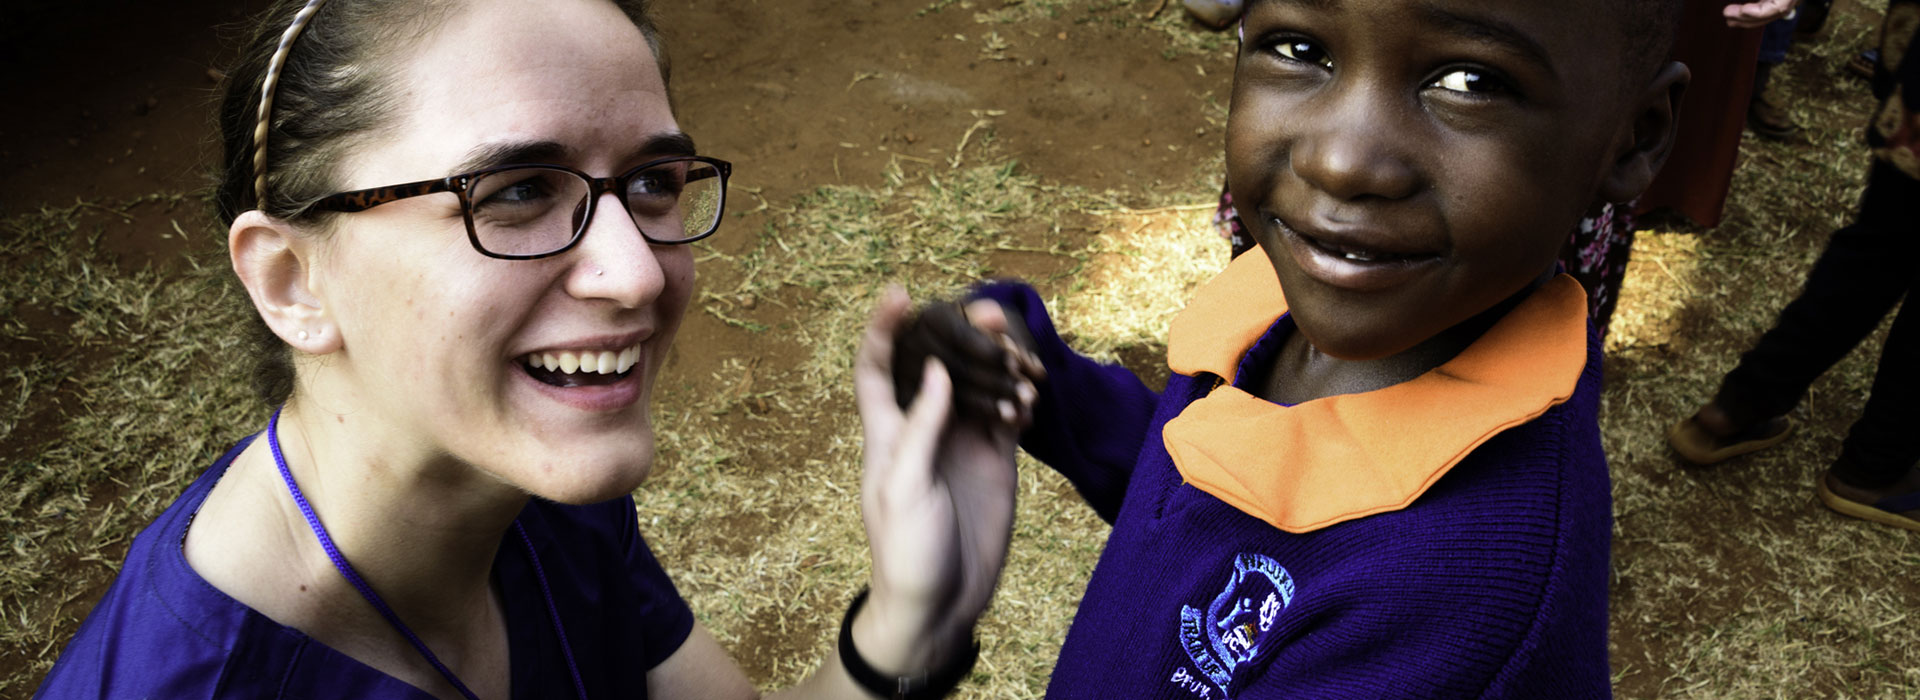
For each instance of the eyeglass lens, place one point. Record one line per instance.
(536, 210)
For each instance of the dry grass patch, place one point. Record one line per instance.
(1733, 581)
(118, 389)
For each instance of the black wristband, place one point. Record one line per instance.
(935, 683)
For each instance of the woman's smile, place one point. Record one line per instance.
(591, 391)
(603, 373)
(582, 368)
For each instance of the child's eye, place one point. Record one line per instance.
(1303, 51)
(1470, 81)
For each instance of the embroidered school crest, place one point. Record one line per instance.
(1233, 629)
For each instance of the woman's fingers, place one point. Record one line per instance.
(872, 367)
(919, 437)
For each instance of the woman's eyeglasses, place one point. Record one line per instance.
(522, 212)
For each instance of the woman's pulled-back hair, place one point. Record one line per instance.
(334, 91)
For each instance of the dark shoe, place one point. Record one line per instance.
(1767, 117)
(1897, 505)
(1862, 64)
(1707, 437)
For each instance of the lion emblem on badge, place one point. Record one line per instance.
(1233, 629)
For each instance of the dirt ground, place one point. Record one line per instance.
(110, 101)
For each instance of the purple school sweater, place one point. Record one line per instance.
(1491, 584)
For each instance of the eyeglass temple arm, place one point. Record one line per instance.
(362, 200)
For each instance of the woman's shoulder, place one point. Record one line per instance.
(161, 630)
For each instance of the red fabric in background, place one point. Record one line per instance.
(1713, 113)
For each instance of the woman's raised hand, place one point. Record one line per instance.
(937, 496)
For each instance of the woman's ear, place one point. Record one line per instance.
(1656, 118)
(276, 265)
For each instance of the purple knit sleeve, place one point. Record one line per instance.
(1091, 417)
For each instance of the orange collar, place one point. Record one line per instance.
(1330, 460)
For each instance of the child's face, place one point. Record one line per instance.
(1407, 164)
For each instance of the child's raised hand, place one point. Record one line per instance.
(984, 352)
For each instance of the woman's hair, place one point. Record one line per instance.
(335, 90)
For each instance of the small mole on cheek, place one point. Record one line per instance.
(340, 419)
(303, 588)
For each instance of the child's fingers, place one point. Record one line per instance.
(1027, 396)
(959, 335)
(1022, 362)
(987, 315)
(979, 387)
(991, 318)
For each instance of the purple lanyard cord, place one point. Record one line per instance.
(347, 572)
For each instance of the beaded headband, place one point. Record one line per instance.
(266, 99)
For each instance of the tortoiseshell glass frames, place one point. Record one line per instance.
(522, 212)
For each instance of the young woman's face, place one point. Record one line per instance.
(436, 338)
(1407, 164)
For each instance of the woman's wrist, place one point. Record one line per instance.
(908, 655)
(900, 637)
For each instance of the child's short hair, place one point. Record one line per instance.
(1647, 34)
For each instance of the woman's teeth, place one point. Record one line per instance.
(585, 361)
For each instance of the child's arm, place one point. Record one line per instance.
(1090, 418)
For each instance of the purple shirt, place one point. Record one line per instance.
(161, 631)
(1493, 584)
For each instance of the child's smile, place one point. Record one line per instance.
(1408, 164)
(1356, 258)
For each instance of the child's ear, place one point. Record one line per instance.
(1656, 117)
(276, 265)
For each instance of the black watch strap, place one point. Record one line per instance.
(935, 683)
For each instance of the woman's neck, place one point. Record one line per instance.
(417, 524)
(421, 529)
